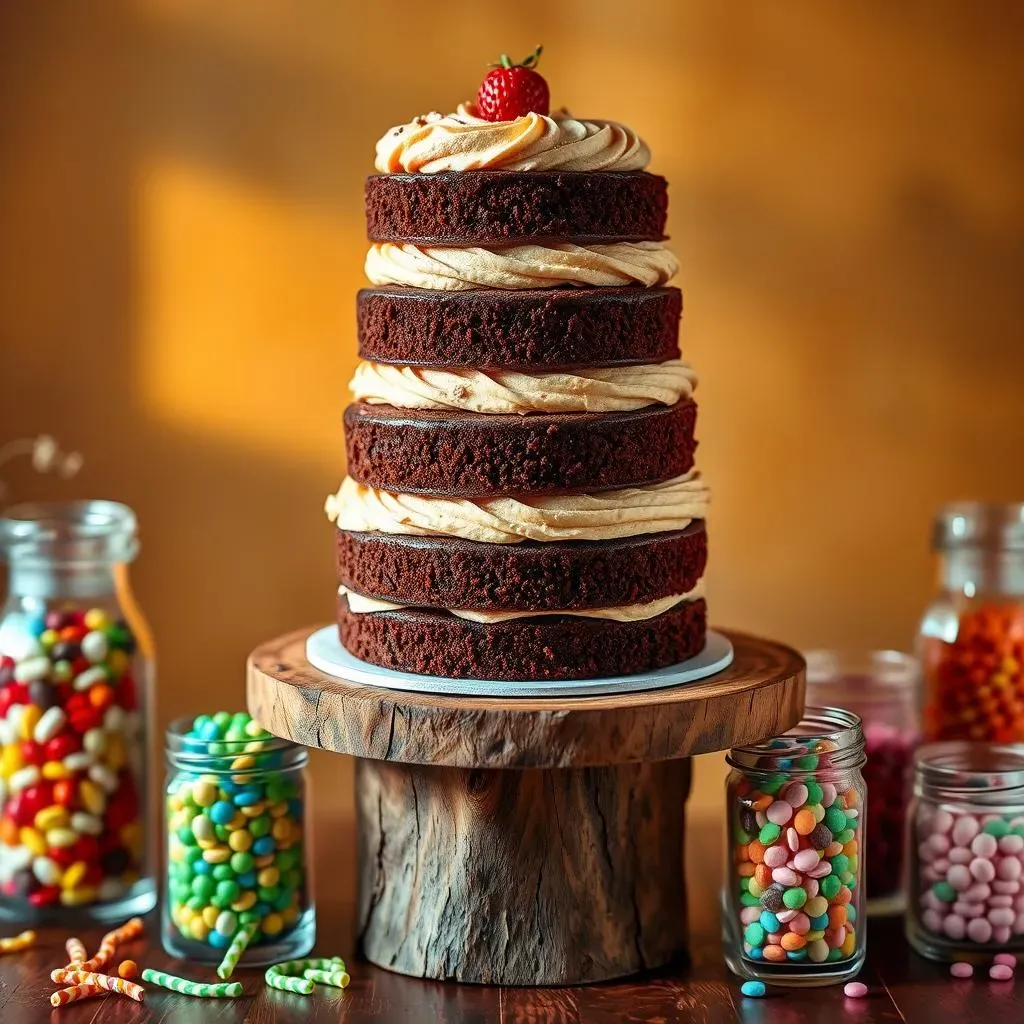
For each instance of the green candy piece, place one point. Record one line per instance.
(1018, 830)
(278, 789)
(222, 872)
(744, 884)
(772, 784)
(228, 890)
(242, 862)
(260, 826)
(835, 819)
(202, 888)
(292, 879)
(996, 827)
(944, 891)
(180, 891)
(835, 954)
(222, 832)
(814, 794)
(769, 833)
(187, 838)
(808, 762)
(223, 718)
(195, 903)
(840, 864)
(749, 901)
(249, 917)
(829, 886)
(845, 836)
(268, 893)
(285, 859)
(794, 898)
(754, 935)
(284, 901)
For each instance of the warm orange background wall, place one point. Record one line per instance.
(181, 241)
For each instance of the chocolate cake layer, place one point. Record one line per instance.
(443, 572)
(468, 454)
(554, 647)
(538, 330)
(514, 207)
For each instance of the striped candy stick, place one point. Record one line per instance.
(64, 976)
(76, 992)
(294, 968)
(192, 988)
(336, 979)
(108, 944)
(241, 940)
(16, 943)
(286, 983)
(77, 953)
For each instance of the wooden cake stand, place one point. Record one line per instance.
(523, 841)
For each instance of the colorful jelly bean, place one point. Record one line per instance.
(71, 758)
(236, 854)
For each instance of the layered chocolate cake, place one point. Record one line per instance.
(521, 499)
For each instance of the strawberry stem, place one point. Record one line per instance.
(527, 62)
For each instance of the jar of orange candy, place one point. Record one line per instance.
(972, 635)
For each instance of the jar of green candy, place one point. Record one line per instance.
(237, 843)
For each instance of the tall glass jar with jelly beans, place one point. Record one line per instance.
(966, 846)
(76, 679)
(237, 842)
(793, 900)
(972, 633)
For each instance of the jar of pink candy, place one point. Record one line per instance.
(75, 691)
(966, 851)
(883, 689)
(793, 899)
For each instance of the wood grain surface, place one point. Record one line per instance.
(760, 694)
(903, 987)
(532, 877)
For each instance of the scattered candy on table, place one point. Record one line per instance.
(16, 943)
(286, 983)
(855, 990)
(974, 686)
(796, 858)
(71, 758)
(201, 989)
(238, 944)
(76, 951)
(335, 979)
(108, 944)
(1006, 959)
(75, 993)
(64, 976)
(962, 969)
(1000, 972)
(753, 989)
(299, 976)
(968, 879)
(236, 857)
(128, 969)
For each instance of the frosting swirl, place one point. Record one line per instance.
(441, 268)
(608, 389)
(606, 515)
(360, 604)
(434, 143)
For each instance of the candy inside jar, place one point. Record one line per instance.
(236, 842)
(74, 681)
(792, 901)
(966, 877)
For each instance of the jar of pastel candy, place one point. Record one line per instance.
(237, 843)
(76, 678)
(792, 902)
(972, 634)
(883, 689)
(966, 845)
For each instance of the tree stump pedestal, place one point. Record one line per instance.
(523, 841)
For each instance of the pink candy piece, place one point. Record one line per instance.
(941, 865)
(805, 860)
(959, 877)
(748, 915)
(795, 794)
(775, 856)
(1018, 925)
(960, 855)
(761, 818)
(823, 868)
(983, 870)
(1001, 917)
(954, 926)
(979, 930)
(855, 989)
(942, 822)
(984, 845)
(779, 812)
(1011, 844)
(1000, 972)
(961, 969)
(828, 794)
(1006, 959)
(1005, 888)
(1009, 868)
(965, 829)
(786, 876)
(800, 925)
(932, 920)
(1000, 901)
(939, 844)
(1001, 934)
(811, 887)
(977, 893)
(785, 916)
(792, 839)
(834, 937)
(969, 910)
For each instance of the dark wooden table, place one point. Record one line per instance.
(903, 986)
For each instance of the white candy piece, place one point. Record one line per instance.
(49, 725)
(14, 859)
(31, 669)
(226, 923)
(14, 716)
(103, 777)
(78, 761)
(113, 719)
(15, 639)
(90, 677)
(27, 776)
(8, 734)
(47, 871)
(87, 823)
(61, 837)
(95, 741)
(94, 646)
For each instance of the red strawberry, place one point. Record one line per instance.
(512, 90)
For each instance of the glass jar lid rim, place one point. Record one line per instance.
(187, 748)
(978, 524)
(962, 764)
(838, 725)
(53, 520)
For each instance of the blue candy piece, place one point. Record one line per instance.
(295, 808)
(819, 924)
(751, 989)
(262, 909)
(248, 795)
(229, 787)
(201, 867)
(222, 812)
(769, 922)
(263, 846)
(851, 912)
(220, 941)
(755, 953)
(209, 730)
(796, 954)
(36, 625)
(247, 881)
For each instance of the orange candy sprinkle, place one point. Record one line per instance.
(763, 802)
(755, 851)
(128, 969)
(804, 822)
(745, 870)
(775, 953)
(101, 696)
(763, 876)
(791, 942)
(837, 916)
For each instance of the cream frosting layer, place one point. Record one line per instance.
(434, 143)
(607, 515)
(606, 389)
(360, 604)
(444, 268)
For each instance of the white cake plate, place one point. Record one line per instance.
(324, 651)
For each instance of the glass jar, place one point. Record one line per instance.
(966, 843)
(882, 689)
(793, 900)
(237, 842)
(76, 695)
(972, 635)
